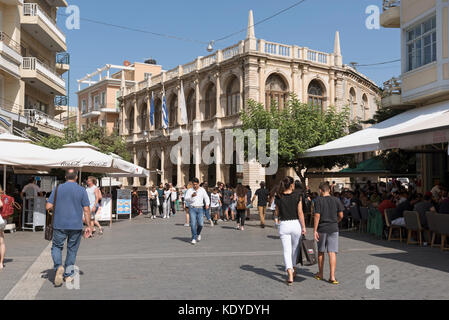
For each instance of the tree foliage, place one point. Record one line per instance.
(94, 135)
(300, 127)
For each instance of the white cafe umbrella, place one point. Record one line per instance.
(20, 152)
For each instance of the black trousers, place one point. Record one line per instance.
(153, 205)
(241, 217)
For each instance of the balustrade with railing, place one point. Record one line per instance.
(33, 64)
(10, 42)
(392, 87)
(38, 117)
(209, 60)
(33, 10)
(387, 4)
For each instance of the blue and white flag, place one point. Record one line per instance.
(152, 109)
(164, 111)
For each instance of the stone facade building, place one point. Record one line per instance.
(218, 86)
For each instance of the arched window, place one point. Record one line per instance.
(276, 90)
(131, 121)
(158, 114)
(352, 103)
(173, 113)
(210, 102)
(143, 117)
(191, 106)
(365, 106)
(316, 94)
(233, 97)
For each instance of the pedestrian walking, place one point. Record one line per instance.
(226, 203)
(248, 202)
(166, 206)
(186, 204)
(290, 217)
(135, 202)
(2, 236)
(328, 214)
(70, 204)
(198, 200)
(173, 199)
(207, 210)
(160, 191)
(241, 204)
(154, 202)
(94, 195)
(215, 205)
(262, 200)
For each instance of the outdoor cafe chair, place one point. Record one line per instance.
(388, 214)
(433, 226)
(443, 228)
(364, 216)
(413, 225)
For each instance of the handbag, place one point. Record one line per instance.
(49, 227)
(307, 254)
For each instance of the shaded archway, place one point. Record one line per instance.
(143, 117)
(192, 170)
(233, 96)
(191, 106)
(365, 106)
(130, 121)
(233, 171)
(143, 164)
(317, 94)
(276, 91)
(158, 114)
(352, 104)
(173, 111)
(210, 104)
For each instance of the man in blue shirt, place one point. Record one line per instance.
(72, 203)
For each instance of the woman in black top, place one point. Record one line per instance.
(292, 226)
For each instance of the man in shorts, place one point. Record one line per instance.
(328, 214)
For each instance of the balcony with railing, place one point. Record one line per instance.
(39, 24)
(391, 15)
(392, 95)
(39, 118)
(42, 76)
(10, 57)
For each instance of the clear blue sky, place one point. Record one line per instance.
(311, 24)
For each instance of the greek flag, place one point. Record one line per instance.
(164, 111)
(152, 109)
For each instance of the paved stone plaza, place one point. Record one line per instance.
(153, 259)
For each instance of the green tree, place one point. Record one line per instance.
(300, 127)
(94, 135)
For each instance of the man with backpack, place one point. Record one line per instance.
(226, 203)
(328, 214)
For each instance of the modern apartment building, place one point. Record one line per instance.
(423, 86)
(32, 62)
(99, 91)
(218, 86)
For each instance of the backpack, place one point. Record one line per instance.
(227, 197)
(241, 203)
(8, 206)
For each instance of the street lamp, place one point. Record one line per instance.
(210, 47)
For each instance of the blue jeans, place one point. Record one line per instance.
(207, 214)
(196, 221)
(73, 238)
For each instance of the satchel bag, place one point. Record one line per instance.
(49, 227)
(308, 254)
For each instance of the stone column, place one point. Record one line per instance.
(148, 164)
(163, 164)
(305, 71)
(262, 67)
(135, 115)
(135, 180)
(331, 89)
(179, 181)
(197, 130)
(147, 121)
(295, 82)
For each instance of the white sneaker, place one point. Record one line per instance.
(199, 238)
(193, 242)
(186, 225)
(211, 223)
(220, 220)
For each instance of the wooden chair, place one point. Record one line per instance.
(443, 228)
(413, 225)
(388, 214)
(433, 227)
